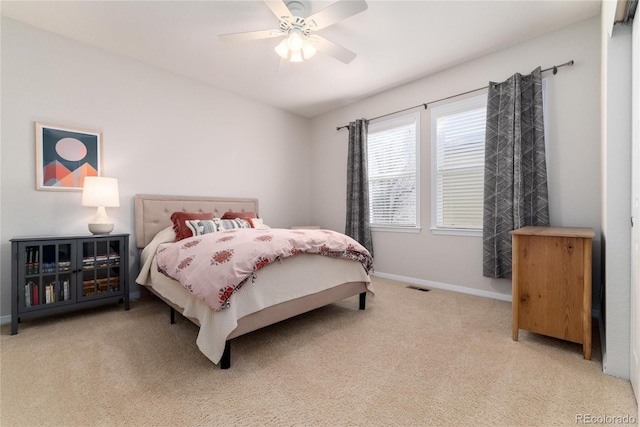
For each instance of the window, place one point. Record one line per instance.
(457, 147)
(393, 153)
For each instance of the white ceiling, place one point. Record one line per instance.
(396, 41)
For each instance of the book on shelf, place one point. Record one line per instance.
(88, 287)
(32, 264)
(101, 285)
(100, 261)
(50, 293)
(29, 261)
(31, 296)
(45, 267)
(27, 295)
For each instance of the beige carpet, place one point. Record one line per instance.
(412, 358)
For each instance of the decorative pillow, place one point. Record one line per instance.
(179, 218)
(258, 224)
(229, 224)
(198, 227)
(234, 215)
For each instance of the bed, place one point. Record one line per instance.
(279, 291)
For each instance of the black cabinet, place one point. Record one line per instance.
(57, 274)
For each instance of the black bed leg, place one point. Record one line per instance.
(173, 315)
(363, 300)
(225, 362)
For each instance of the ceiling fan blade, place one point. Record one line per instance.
(278, 7)
(330, 48)
(250, 35)
(337, 12)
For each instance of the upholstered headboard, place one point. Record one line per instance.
(153, 212)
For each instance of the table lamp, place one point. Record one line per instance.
(100, 192)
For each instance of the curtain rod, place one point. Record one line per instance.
(554, 69)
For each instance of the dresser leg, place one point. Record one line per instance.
(515, 286)
(586, 342)
(587, 351)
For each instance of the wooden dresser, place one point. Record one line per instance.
(552, 283)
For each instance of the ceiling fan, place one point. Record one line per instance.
(301, 40)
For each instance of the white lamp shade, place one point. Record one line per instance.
(296, 56)
(283, 49)
(100, 191)
(296, 47)
(295, 40)
(308, 49)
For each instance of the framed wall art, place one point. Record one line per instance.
(65, 156)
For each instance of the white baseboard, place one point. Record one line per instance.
(444, 286)
(7, 319)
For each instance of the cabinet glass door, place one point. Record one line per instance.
(100, 268)
(47, 275)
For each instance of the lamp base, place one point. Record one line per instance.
(101, 228)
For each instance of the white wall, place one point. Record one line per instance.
(574, 156)
(163, 134)
(634, 364)
(616, 192)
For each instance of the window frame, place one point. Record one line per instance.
(390, 123)
(465, 104)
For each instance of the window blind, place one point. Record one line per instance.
(392, 162)
(460, 165)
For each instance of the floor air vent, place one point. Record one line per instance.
(417, 288)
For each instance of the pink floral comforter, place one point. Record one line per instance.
(214, 266)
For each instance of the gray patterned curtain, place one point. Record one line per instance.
(515, 177)
(357, 225)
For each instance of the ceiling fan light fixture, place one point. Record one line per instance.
(296, 56)
(296, 47)
(283, 49)
(298, 26)
(308, 49)
(295, 39)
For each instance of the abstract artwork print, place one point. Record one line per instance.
(65, 156)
